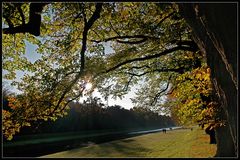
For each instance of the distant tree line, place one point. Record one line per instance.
(92, 114)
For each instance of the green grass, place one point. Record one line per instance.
(182, 143)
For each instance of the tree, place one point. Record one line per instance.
(58, 75)
(215, 33)
(151, 41)
(46, 94)
(6, 91)
(192, 99)
(13, 14)
(93, 115)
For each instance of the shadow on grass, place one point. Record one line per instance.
(115, 149)
(130, 151)
(50, 147)
(35, 150)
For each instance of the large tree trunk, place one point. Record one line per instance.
(225, 147)
(214, 28)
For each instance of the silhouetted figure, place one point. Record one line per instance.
(210, 130)
(191, 129)
(164, 131)
(202, 126)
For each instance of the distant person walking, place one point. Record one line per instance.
(164, 131)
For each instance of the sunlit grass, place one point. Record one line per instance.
(179, 143)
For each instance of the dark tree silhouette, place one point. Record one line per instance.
(32, 27)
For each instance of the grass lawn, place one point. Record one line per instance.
(181, 143)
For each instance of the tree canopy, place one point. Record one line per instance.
(152, 47)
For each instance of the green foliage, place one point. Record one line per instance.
(13, 11)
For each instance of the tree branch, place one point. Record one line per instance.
(128, 83)
(142, 37)
(178, 70)
(137, 67)
(133, 42)
(177, 48)
(164, 18)
(21, 13)
(114, 29)
(159, 93)
(33, 26)
(87, 26)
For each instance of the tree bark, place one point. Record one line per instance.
(214, 27)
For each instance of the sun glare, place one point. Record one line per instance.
(88, 86)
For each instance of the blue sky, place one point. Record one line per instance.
(32, 55)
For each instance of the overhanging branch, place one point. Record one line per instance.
(162, 91)
(177, 48)
(21, 12)
(164, 18)
(178, 70)
(117, 38)
(87, 26)
(133, 42)
(33, 26)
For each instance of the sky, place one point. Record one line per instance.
(32, 55)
